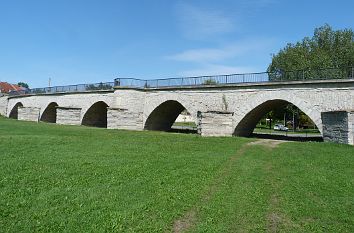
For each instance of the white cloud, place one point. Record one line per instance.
(197, 23)
(214, 69)
(201, 55)
(236, 49)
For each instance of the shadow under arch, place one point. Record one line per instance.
(50, 113)
(164, 115)
(246, 126)
(96, 115)
(14, 111)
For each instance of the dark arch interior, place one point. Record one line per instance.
(163, 117)
(14, 111)
(50, 113)
(96, 115)
(249, 122)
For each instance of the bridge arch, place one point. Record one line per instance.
(96, 115)
(164, 115)
(50, 113)
(248, 121)
(14, 111)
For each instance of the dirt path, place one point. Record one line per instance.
(189, 219)
(275, 217)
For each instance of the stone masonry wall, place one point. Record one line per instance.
(215, 123)
(351, 128)
(68, 116)
(28, 114)
(3, 105)
(335, 126)
(118, 118)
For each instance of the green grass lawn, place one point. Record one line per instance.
(78, 179)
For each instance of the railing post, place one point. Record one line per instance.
(182, 82)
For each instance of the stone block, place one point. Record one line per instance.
(28, 114)
(338, 126)
(119, 118)
(68, 116)
(215, 123)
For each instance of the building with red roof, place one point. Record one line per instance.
(8, 88)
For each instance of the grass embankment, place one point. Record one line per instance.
(78, 179)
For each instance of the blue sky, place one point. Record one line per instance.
(87, 41)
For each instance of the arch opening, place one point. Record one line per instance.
(163, 118)
(278, 119)
(50, 113)
(96, 115)
(14, 110)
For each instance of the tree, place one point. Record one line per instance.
(22, 84)
(100, 86)
(295, 114)
(210, 81)
(326, 49)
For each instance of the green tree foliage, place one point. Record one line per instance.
(326, 49)
(22, 84)
(210, 81)
(293, 116)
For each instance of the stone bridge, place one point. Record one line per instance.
(218, 110)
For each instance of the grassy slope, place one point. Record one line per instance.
(66, 178)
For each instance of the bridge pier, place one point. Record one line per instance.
(120, 118)
(68, 116)
(215, 123)
(338, 126)
(28, 114)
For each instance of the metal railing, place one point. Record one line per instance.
(68, 89)
(278, 76)
(214, 80)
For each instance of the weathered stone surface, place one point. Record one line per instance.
(68, 116)
(215, 123)
(351, 127)
(118, 118)
(28, 114)
(3, 105)
(338, 126)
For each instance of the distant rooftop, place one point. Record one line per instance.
(8, 87)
